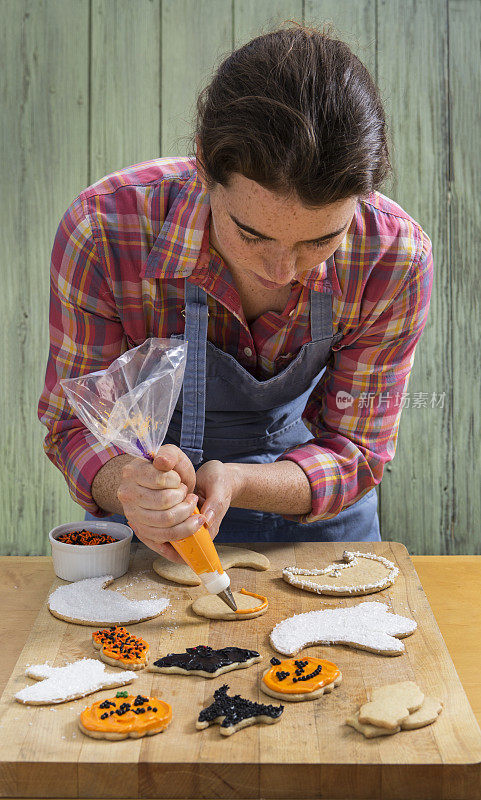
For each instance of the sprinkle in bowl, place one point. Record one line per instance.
(74, 562)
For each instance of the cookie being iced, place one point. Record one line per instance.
(357, 574)
(229, 557)
(367, 626)
(88, 603)
(206, 662)
(212, 607)
(234, 713)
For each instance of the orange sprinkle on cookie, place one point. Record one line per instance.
(125, 716)
(119, 648)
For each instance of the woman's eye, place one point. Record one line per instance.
(248, 238)
(256, 241)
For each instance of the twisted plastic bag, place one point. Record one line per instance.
(130, 404)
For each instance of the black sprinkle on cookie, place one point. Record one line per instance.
(234, 713)
(205, 661)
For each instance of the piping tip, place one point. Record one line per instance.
(228, 598)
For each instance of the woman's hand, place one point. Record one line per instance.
(217, 485)
(158, 499)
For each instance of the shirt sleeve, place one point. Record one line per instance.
(85, 335)
(354, 411)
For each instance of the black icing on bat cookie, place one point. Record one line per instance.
(233, 713)
(203, 659)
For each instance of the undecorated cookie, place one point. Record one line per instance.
(390, 705)
(300, 679)
(125, 717)
(234, 713)
(88, 603)
(212, 607)
(395, 707)
(427, 714)
(357, 574)
(229, 557)
(367, 626)
(206, 662)
(369, 731)
(59, 684)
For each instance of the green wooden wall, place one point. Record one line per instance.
(90, 86)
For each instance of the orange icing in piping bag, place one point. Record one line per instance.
(199, 552)
(263, 605)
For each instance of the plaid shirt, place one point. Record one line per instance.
(120, 257)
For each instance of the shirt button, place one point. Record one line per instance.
(247, 351)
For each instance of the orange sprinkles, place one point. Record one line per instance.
(85, 537)
(117, 644)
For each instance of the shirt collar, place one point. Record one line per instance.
(182, 245)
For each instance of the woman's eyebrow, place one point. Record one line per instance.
(324, 238)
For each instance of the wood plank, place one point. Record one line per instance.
(44, 153)
(309, 753)
(252, 18)
(125, 84)
(411, 70)
(192, 48)
(465, 237)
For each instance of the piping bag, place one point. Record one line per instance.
(130, 405)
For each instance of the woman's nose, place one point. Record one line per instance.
(281, 268)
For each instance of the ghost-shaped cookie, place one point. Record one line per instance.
(367, 626)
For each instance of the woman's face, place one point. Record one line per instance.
(270, 240)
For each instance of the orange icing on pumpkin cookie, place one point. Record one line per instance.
(263, 605)
(118, 644)
(127, 713)
(300, 675)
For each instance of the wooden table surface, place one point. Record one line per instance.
(451, 584)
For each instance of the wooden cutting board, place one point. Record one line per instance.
(310, 753)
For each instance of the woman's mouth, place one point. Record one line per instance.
(268, 284)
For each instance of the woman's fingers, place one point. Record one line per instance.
(167, 480)
(162, 548)
(170, 457)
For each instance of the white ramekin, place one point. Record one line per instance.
(73, 562)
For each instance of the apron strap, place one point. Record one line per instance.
(193, 390)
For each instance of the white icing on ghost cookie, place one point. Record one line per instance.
(360, 581)
(58, 684)
(87, 603)
(367, 626)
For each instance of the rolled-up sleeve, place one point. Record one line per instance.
(85, 335)
(354, 411)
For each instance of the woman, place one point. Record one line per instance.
(301, 290)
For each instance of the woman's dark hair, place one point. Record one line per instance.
(296, 111)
